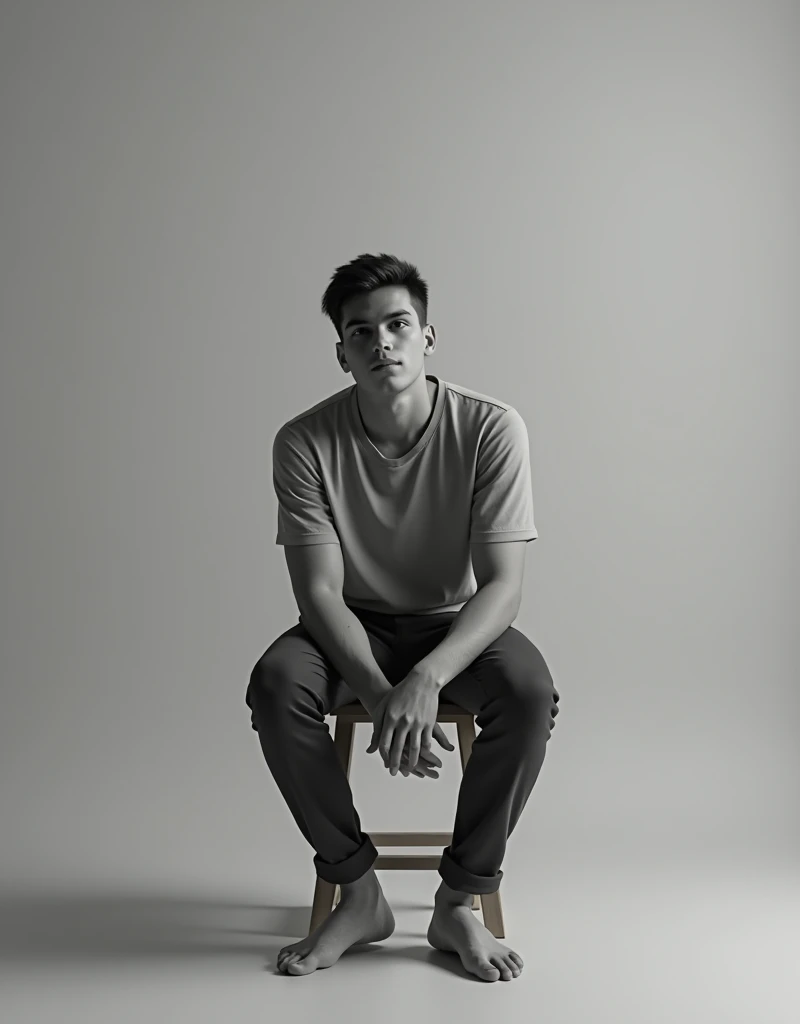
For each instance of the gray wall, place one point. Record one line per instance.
(603, 199)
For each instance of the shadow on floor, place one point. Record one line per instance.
(81, 926)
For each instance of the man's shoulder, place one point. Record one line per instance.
(318, 413)
(476, 398)
(481, 416)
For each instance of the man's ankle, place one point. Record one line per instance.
(366, 883)
(452, 897)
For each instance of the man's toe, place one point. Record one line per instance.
(305, 966)
(487, 970)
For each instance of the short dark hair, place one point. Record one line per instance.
(366, 273)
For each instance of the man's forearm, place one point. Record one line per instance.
(484, 617)
(344, 640)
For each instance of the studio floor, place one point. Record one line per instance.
(709, 942)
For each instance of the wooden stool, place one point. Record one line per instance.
(327, 894)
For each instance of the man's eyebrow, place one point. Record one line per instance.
(390, 316)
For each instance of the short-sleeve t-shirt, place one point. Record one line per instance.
(405, 525)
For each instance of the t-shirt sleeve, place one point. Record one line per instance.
(502, 501)
(304, 512)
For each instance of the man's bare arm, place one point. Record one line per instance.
(342, 637)
(340, 634)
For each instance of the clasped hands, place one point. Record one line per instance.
(407, 714)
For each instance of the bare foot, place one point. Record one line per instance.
(454, 927)
(360, 916)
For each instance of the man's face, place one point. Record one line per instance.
(382, 325)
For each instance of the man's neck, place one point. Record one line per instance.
(399, 432)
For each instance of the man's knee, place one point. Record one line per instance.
(270, 687)
(530, 693)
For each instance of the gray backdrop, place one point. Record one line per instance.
(603, 200)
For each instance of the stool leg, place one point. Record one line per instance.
(323, 903)
(490, 902)
(343, 741)
(328, 894)
(493, 914)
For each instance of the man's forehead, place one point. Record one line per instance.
(382, 299)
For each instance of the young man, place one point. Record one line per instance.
(392, 496)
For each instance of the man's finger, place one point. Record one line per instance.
(384, 744)
(377, 726)
(396, 748)
(427, 756)
(413, 747)
(440, 736)
(427, 733)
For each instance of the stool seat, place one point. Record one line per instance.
(327, 894)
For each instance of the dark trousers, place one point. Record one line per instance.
(508, 687)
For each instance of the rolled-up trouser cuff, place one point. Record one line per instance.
(464, 881)
(352, 867)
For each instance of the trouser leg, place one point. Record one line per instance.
(291, 689)
(511, 691)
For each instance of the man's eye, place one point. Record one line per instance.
(355, 332)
